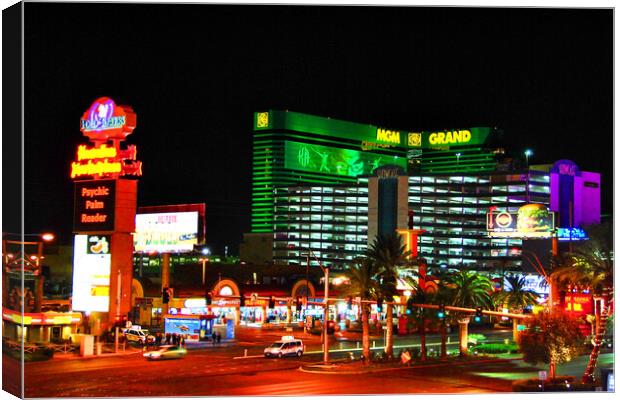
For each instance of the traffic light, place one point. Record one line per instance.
(478, 315)
(331, 327)
(208, 298)
(241, 300)
(379, 304)
(441, 311)
(272, 302)
(298, 304)
(350, 303)
(165, 296)
(410, 305)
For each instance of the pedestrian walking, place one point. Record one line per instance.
(214, 337)
(167, 337)
(219, 338)
(182, 342)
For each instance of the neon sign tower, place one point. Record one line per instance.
(105, 173)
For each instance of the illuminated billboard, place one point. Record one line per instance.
(166, 232)
(534, 283)
(91, 273)
(185, 326)
(531, 221)
(336, 161)
(571, 234)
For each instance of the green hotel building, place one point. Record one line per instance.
(310, 187)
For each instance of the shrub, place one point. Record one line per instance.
(496, 348)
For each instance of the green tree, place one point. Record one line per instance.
(388, 253)
(551, 338)
(516, 298)
(363, 284)
(469, 290)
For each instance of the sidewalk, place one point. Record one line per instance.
(356, 367)
(68, 356)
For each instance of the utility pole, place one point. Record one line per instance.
(326, 305)
(326, 315)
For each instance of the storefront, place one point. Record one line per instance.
(48, 327)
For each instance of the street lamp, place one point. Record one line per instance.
(528, 153)
(325, 301)
(458, 157)
(206, 251)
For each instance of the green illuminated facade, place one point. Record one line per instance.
(292, 149)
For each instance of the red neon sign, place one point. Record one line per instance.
(104, 121)
(581, 304)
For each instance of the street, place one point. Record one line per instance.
(214, 371)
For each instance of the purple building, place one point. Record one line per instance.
(575, 195)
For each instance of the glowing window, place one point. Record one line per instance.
(226, 291)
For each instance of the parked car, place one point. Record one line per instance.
(165, 353)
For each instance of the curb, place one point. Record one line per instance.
(302, 369)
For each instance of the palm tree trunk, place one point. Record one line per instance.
(515, 329)
(601, 325)
(365, 335)
(389, 338)
(422, 332)
(463, 336)
(444, 336)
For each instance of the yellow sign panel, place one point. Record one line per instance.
(100, 291)
(262, 120)
(63, 319)
(386, 135)
(450, 137)
(414, 139)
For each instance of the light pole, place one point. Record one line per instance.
(458, 157)
(527, 153)
(204, 260)
(326, 305)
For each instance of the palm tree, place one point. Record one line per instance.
(388, 253)
(363, 284)
(516, 298)
(469, 290)
(591, 265)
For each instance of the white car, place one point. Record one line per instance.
(288, 346)
(165, 353)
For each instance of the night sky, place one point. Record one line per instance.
(194, 75)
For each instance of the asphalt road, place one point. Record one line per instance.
(214, 371)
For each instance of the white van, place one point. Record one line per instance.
(288, 346)
(141, 336)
